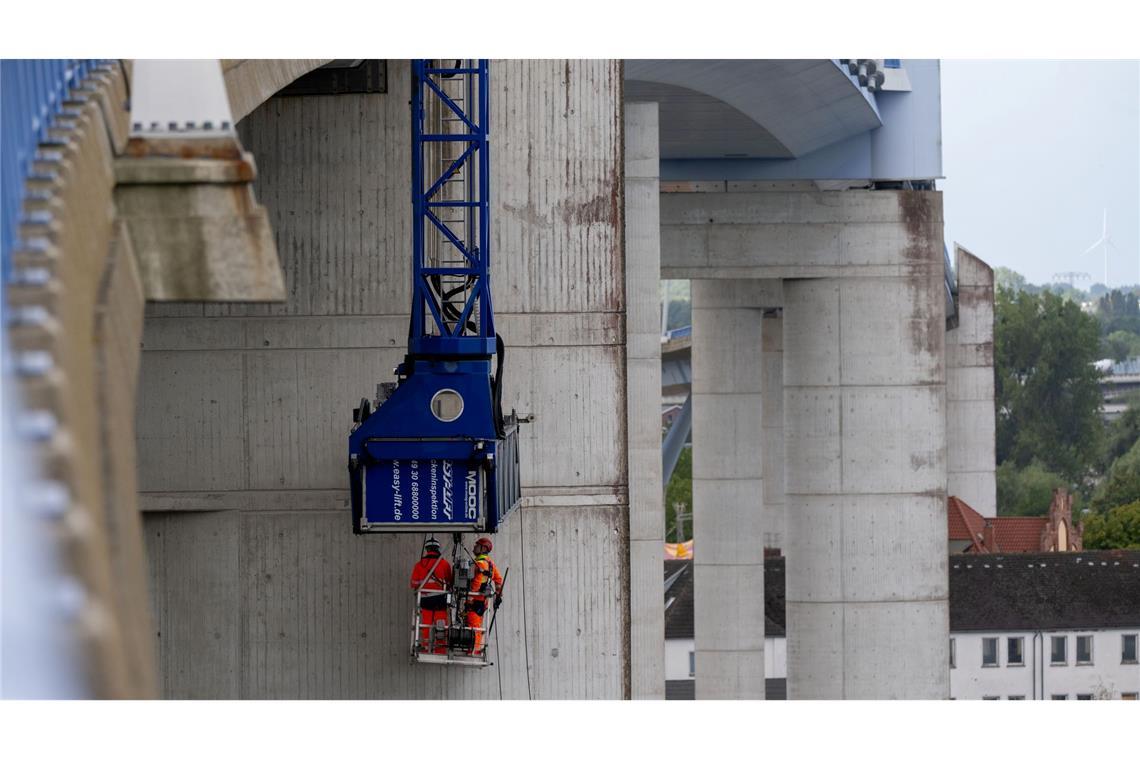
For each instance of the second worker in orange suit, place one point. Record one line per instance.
(486, 582)
(433, 576)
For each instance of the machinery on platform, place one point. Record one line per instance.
(433, 451)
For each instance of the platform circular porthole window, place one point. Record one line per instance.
(446, 405)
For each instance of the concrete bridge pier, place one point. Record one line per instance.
(643, 400)
(728, 487)
(865, 433)
(772, 424)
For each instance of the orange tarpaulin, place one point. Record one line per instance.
(679, 551)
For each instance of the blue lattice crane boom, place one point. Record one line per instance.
(434, 450)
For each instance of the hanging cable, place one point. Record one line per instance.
(497, 387)
(526, 638)
(498, 670)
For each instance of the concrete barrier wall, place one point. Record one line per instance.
(259, 586)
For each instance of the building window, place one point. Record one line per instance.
(989, 652)
(953, 654)
(1128, 648)
(1084, 696)
(1129, 695)
(1058, 655)
(1060, 696)
(1016, 697)
(692, 663)
(1015, 650)
(988, 699)
(1084, 650)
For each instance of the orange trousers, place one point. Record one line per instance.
(427, 621)
(475, 621)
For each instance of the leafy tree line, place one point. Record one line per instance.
(1048, 402)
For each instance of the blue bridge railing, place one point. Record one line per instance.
(31, 94)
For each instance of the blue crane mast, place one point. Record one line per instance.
(434, 451)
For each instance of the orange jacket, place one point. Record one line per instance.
(440, 577)
(485, 571)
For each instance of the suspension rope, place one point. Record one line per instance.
(526, 638)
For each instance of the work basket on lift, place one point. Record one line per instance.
(451, 641)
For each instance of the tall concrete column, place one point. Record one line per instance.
(865, 437)
(728, 491)
(970, 423)
(643, 406)
(772, 359)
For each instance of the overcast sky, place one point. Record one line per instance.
(1033, 153)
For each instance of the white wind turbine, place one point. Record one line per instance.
(1105, 241)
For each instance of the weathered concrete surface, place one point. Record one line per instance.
(970, 423)
(643, 401)
(865, 448)
(756, 234)
(193, 222)
(728, 490)
(244, 410)
(772, 427)
(252, 81)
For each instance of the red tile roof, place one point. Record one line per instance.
(1011, 534)
(965, 523)
(1018, 534)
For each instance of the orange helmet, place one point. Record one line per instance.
(483, 546)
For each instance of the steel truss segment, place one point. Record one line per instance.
(449, 138)
(450, 104)
(427, 294)
(456, 165)
(476, 292)
(457, 271)
(450, 248)
(472, 256)
(450, 72)
(468, 304)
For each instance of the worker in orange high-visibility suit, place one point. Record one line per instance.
(486, 582)
(432, 576)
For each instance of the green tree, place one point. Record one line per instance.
(1120, 345)
(1047, 391)
(1119, 303)
(1068, 292)
(1121, 484)
(1004, 277)
(1123, 432)
(1118, 311)
(1025, 491)
(1117, 529)
(680, 490)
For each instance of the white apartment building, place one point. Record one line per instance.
(1057, 625)
(1027, 664)
(1045, 626)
